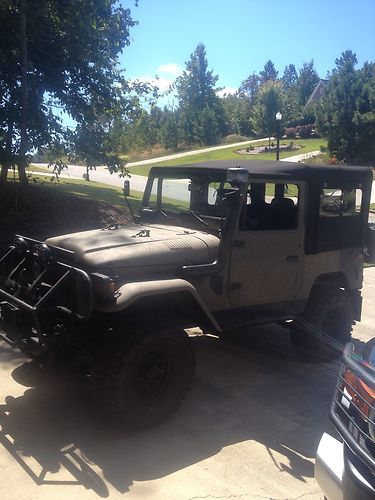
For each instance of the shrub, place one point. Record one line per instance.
(305, 131)
(290, 132)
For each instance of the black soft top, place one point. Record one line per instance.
(280, 170)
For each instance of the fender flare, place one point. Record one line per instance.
(129, 293)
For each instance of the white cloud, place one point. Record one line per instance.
(226, 91)
(161, 82)
(171, 69)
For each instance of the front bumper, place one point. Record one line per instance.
(336, 475)
(329, 467)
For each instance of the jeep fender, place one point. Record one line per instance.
(129, 293)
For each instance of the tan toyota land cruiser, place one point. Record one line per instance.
(219, 245)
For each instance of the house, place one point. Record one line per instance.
(318, 92)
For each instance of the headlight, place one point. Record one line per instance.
(20, 246)
(43, 254)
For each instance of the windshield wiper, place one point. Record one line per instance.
(190, 212)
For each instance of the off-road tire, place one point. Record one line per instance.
(324, 329)
(143, 380)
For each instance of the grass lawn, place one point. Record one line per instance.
(97, 191)
(229, 154)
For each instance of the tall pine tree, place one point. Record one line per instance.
(199, 107)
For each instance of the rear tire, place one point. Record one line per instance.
(325, 327)
(144, 380)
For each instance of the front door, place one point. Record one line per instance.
(268, 247)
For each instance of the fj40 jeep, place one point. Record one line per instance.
(215, 245)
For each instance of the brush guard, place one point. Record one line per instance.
(353, 414)
(34, 282)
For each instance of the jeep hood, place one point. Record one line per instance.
(138, 246)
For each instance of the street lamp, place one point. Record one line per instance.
(278, 120)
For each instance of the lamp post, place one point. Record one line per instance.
(278, 120)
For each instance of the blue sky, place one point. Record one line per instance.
(241, 35)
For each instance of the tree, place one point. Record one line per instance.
(364, 115)
(346, 114)
(306, 82)
(196, 95)
(290, 77)
(169, 131)
(237, 112)
(93, 143)
(57, 55)
(250, 87)
(268, 102)
(269, 72)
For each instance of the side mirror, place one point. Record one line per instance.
(126, 188)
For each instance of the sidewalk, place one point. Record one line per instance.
(301, 157)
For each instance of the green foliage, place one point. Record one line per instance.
(290, 77)
(199, 106)
(169, 131)
(237, 112)
(269, 101)
(346, 114)
(306, 82)
(91, 144)
(70, 63)
(250, 87)
(268, 73)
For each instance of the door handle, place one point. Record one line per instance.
(292, 258)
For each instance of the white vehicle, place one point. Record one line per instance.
(345, 470)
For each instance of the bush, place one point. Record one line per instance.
(290, 132)
(305, 131)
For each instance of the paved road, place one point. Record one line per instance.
(249, 429)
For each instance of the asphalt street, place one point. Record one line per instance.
(249, 429)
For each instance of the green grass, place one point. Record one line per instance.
(229, 154)
(104, 192)
(92, 190)
(38, 168)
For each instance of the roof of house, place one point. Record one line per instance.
(317, 92)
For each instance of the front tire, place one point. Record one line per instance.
(325, 327)
(143, 381)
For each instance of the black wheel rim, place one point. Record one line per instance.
(153, 375)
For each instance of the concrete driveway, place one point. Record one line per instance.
(249, 429)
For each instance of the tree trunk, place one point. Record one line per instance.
(8, 152)
(4, 174)
(24, 90)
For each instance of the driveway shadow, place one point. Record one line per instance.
(255, 388)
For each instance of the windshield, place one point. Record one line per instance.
(199, 197)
